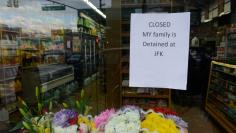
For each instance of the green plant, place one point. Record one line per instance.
(80, 104)
(35, 120)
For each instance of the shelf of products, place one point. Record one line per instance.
(140, 3)
(145, 97)
(8, 73)
(10, 80)
(227, 43)
(221, 95)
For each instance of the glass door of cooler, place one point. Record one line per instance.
(94, 56)
(231, 46)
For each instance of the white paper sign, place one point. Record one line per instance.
(159, 46)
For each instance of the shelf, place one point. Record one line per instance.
(10, 78)
(144, 96)
(124, 48)
(8, 66)
(220, 118)
(57, 82)
(221, 110)
(145, 106)
(3, 49)
(225, 72)
(1, 30)
(140, 5)
(10, 56)
(218, 103)
(224, 64)
(223, 103)
(80, 25)
(215, 76)
(29, 49)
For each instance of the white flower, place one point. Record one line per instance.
(70, 129)
(124, 122)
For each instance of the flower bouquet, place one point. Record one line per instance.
(163, 121)
(102, 119)
(155, 122)
(65, 121)
(169, 114)
(126, 120)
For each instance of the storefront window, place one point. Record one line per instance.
(49, 45)
(79, 55)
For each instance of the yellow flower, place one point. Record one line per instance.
(47, 130)
(155, 122)
(85, 120)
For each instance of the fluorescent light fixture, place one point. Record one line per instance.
(95, 8)
(207, 20)
(221, 14)
(224, 13)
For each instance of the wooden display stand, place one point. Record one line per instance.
(146, 100)
(221, 95)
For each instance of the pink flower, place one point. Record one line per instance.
(103, 118)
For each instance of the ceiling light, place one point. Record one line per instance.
(95, 8)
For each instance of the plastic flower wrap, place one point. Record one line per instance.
(178, 121)
(86, 124)
(65, 121)
(126, 121)
(103, 118)
(157, 123)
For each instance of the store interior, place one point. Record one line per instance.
(53, 52)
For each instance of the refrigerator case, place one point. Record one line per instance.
(46, 76)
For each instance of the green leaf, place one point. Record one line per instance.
(37, 92)
(77, 104)
(26, 125)
(42, 92)
(82, 93)
(22, 104)
(50, 106)
(87, 110)
(40, 107)
(35, 129)
(23, 113)
(65, 105)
